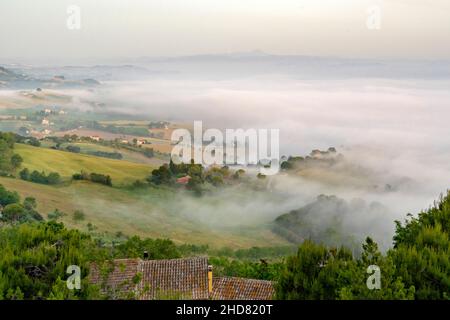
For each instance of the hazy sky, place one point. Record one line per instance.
(113, 29)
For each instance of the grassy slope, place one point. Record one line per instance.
(112, 210)
(127, 154)
(67, 163)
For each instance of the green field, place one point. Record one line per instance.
(127, 155)
(143, 213)
(67, 163)
(148, 212)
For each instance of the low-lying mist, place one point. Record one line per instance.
(396, 130)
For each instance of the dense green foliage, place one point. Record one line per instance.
(326, 221)
(318, 272)
(93, 177)
(8, 197)
(74, 149)
(12, 211)
(104, 154)
(199, 178)
(8, 160)
(224, 266)
(156, 249)
(40, 177)
(417, 267)
(422, 251)
(34, 259)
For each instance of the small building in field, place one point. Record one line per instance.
(140, 142)
(95, 138)
(45, 122)
(183, 180)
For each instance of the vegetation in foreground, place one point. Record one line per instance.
(34, 256)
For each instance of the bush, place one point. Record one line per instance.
(101, 178)
(53, 178)
(78, 215)
(16, 161)
(93, 177)
(148, 152)
(74, 149)
(34, 258)
(40, 177)
(8, 197)
(156, 248)
(55, 215)
(103, 154)
(14, 212)
(25, 174)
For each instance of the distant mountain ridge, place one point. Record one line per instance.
(19, 80)
(301, 66)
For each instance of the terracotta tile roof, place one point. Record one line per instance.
(116, 278)
(232, 288)
(153, 279)
(175, 279)
(184, 180)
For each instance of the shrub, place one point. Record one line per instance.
(78, 215)
(74, 149)
(40, 177)
(55, 215)
(25, 174)
(13, 212)
(93, 177)
(8, 197)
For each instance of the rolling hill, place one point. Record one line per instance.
(67, 163)
(142, 213)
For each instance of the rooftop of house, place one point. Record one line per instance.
(174, 278)
(233, 288)
(117, 278)
(183, 180)
(188, 278)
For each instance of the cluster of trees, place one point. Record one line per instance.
(34, 258)
(93, 177)
(9, 161)
(77, 149)
(319, 272)
(40, 177)
(224, 266)
(167, 174)
(27, 140)
(316, 157)
(134, 247)
(129, 130)
(104, 154)
(116, 143)
(74, 149)
(12, 210)
(421, 251)
(417, 267)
